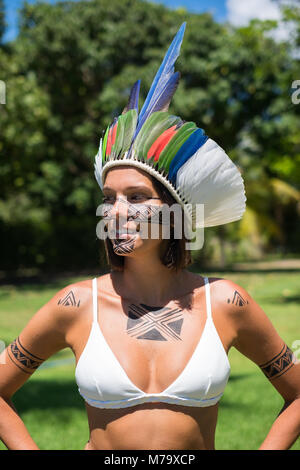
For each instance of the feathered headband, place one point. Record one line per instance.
(193, 167)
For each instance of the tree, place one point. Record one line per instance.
(70, 71)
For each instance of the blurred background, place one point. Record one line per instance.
(66, 69)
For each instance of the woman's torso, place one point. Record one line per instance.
(152, 360)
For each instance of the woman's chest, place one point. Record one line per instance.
(151, 345)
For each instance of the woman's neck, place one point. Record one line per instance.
(148, 280)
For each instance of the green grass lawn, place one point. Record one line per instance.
(54, 412)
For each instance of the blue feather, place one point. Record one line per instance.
(190, 146)
(133, 101)
(163, 101)
(162, 77)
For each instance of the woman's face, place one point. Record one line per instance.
(129, 200)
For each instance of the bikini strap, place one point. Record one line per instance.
(207, 295)
(95, 300)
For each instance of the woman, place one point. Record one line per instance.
(151, 338)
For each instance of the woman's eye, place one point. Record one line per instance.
(138, 197)
(130, 199)
(108, 200)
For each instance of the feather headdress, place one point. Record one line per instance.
(193, 167)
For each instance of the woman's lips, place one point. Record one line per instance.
(125, 234)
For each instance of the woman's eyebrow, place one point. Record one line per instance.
(129, 188)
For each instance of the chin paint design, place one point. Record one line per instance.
(123, 246)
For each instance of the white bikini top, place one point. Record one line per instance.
(103, 383)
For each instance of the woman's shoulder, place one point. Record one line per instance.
(82, 288)
(70, 293)
(228, 291)
(79, 294)
(71, 303)
(233, 308)
(225, 293)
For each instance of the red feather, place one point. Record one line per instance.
(114, 134)
(160, 143)
(109, 140)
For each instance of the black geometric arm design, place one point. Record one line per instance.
(22, 358)
(280, 364)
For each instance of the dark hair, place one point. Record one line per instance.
(174, 256)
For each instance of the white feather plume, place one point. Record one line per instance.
(98, 166)
(209, 177)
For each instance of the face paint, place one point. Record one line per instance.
(140, 214)
(136, 212)
(123, 246)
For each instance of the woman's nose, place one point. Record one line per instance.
(120, 208)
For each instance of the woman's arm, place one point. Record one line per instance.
(283, 372)
(44, 335)
(13, 432)
(286, 428)
(257, 339)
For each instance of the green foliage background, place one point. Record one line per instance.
(69, 72)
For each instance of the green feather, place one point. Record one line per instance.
(104, 144)
(156, 131)
(130, 121)
(159, 124)
(118, 145)
(174, 145)
(180, 142)
(154, 120)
